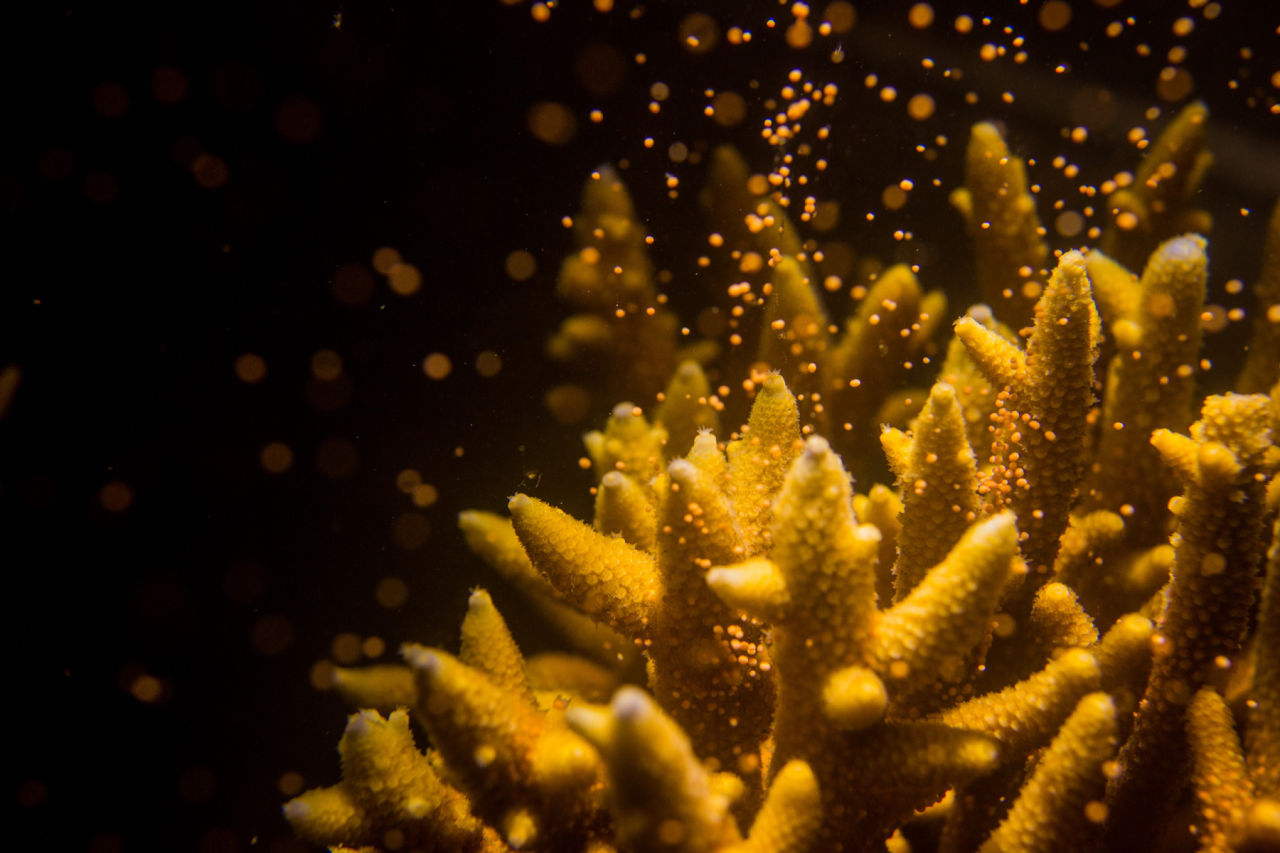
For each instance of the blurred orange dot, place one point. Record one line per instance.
(352, 284)
(110, 100)
(391, 592)
(437, 365)
(1055, 15)
(920, 16)
(101, 187)
(570, 404)
(728, 109)
(272, 634)
(210, 171)
(521, 265)
(698, 33)
(551, 122)
(411, 531)
(488, 364)
(404, 279)
(326, 364)
(291, 783)
(298, 119)
(841, 15)
(384, 259)
(146, 688)
(424, 494)
(920, 107)
(321, 675)
(56, 163)
(407, 479)
(116, 496)
(345, 648)
(337, 458)
(168, 85)
(276, 457)
(251, 368)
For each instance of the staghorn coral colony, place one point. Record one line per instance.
(1054, 627)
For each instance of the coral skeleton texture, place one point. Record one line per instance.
(1044, 635)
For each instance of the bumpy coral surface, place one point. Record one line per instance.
(1043, 636)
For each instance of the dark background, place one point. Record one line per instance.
(135, 273)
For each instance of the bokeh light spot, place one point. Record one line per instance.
(411, 530)
(116, 496)
(437, 365)
(391, 592)
(250, 368)
(488, 364)
(521, 265)
(552, 122)
(276, 457)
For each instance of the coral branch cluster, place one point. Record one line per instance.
(1044, 635)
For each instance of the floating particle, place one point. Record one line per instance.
(352, 284)
(250, 368)
(964, 24)
(276, 457)
(210, 171)
(552, 122)
(298, 119)
(920, 16)
(728, 109)
(57, 162)
(600, 69)
(290, 783)
(1068, 223)
(146, 688)
(405, 279)
(1183, 26)
(271, 634)
(168, 85)
(841, 15)
(921, 106)
(384, 259)
(569, 404)
(326, 365)
(424, 495)
(521, 265)
(345, 648)
(1174, 83)
(411, 530)
(1055, 15)
(437, 365)
(1213, 318)
(698, 33)
(337, 458)
(391, 592)
(488, 364)
(799, 35)
(116, 496)
(893, 197)
(109, 99)
(407, 479)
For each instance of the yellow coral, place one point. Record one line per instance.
(824, 666)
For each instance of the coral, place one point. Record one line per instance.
(1032, 641)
